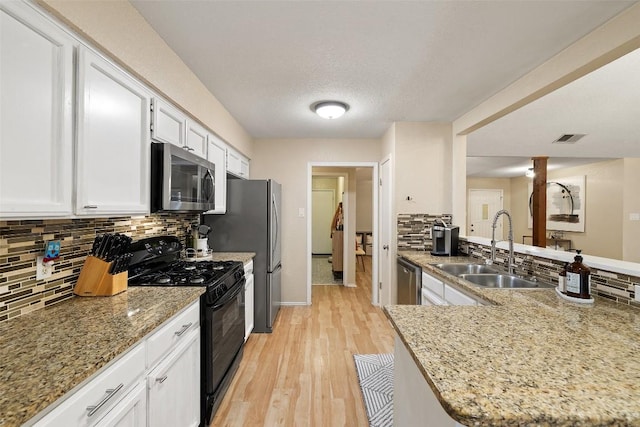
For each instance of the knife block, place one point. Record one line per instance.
(95, 280)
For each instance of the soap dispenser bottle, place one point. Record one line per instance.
(578, 279)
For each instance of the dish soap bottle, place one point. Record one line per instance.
(578, 279)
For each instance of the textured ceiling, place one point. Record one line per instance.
(267, 61)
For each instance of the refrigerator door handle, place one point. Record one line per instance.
(277, 224)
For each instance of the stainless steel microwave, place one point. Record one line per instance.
(180, 180)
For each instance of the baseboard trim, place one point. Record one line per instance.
(293, 304)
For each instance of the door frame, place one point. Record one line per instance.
(374, 219)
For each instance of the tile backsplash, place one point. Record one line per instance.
(613, 286)
(21, 241)
(414, 230)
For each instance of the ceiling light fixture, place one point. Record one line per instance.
(530, 173)
(329, 109)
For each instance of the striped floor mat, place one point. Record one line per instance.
(375, 374)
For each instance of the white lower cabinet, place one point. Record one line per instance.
(436, 292)
(101, 395)
(131, 411)
(137, 390)
(455, 297)
(174, 386)
(414, 403)
(249, 299)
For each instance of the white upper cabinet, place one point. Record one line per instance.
(196, 139)
(217, 154)
(112, 148)
(36, 98)
(237, 164)
(169, 123)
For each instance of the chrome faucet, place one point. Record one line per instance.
(493, 239)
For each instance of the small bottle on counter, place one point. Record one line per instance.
(578, 279)
(189, 243)
(562, 279)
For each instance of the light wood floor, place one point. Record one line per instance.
(303, 373)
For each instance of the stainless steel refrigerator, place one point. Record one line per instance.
(252, 224)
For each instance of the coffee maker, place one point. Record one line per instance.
(445, 239)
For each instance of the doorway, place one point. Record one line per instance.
(348, 171)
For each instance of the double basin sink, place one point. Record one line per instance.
(486, 276)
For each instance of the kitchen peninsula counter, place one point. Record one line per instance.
(528, 357)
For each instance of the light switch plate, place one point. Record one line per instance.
(637, 293)
(634, 216)
(300, 212)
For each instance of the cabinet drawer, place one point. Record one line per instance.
(455, 297)
(86, 406)
(172, 332)
(434, 285)
(429, 298)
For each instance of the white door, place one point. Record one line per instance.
(323, 206)
(113, 145)
(482, 207)
(385, 234)
(36, 138)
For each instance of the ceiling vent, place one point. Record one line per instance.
(569, 138)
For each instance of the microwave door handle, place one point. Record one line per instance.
(208, 176)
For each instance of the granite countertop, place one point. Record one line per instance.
(245, 257)
(527, 358)
(46, 353)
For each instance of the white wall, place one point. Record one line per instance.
(118, 29)
(286, 161)
(423, 167)
(631, 205)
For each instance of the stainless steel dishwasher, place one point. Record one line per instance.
(409, 282)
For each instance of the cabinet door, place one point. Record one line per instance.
(113, 140)
(217, 154)
(455, 297)
(174, 386)
(169, 124)
(131, 411)
(244, 168)
(196, 139)
(248, 305)
(36, 139)
(233, 162)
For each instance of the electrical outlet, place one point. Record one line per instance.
(637, 296)
(44, 270)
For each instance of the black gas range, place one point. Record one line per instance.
(156, 262)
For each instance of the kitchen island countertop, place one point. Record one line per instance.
(526, 358)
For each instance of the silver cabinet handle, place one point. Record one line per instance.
(186, 147)
(110, 393)
(161, 379)
(90, 206)
(184, 329)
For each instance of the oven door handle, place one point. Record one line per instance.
(224, 301)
